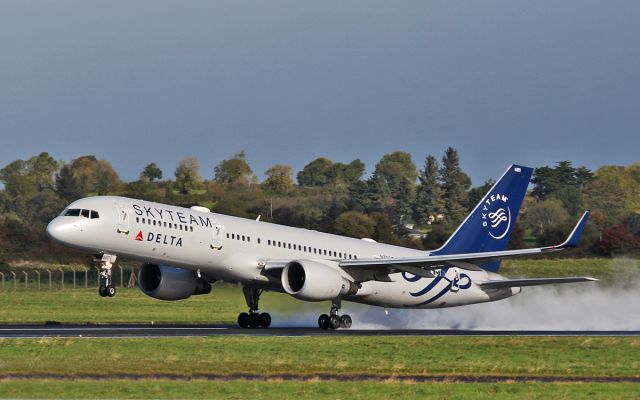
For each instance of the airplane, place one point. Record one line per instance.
(185, 250)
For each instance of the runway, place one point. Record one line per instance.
(149, 331)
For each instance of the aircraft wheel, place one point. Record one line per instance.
(334, 322)
(111, 291)
(323, 321)
(254, 320)
(265, 320)
(345, 321)
(243, 320)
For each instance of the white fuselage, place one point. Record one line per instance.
(238, 250)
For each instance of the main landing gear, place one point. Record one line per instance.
(105, 263)
(253, 319)
(333, 320)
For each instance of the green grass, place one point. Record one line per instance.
(608, 270)
(310, 390)
(132, 306)
(333, 355)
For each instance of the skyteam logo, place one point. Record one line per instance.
(496, 216)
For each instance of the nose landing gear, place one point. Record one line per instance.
(254, 318)
(105, 263)
(334, 320)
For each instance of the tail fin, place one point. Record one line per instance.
(488, 227)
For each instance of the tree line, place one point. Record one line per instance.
(396, 199)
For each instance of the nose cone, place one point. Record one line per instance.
(61, 230)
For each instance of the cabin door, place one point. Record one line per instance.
(216, 243)
(124, 222)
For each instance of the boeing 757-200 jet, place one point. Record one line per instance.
(185, 250)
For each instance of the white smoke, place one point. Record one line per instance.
(569, 307)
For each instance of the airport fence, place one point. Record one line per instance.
(64, 278)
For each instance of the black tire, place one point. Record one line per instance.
(345, 321)
(111, 291)
(323, 321)
(243, 320)
(254, 320)
(102, 291)
(265, 320)
(334, 322)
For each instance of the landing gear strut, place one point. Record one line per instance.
(253, 319)
(105, 263)
(334, 320)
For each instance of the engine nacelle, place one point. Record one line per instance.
(170, 283)
(314, 281)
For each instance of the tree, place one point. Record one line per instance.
(25, 178)
(401, 210)
(66, 186)
(563, 181)
(317, 173)
(429, 202)
(188, 175)
(235, 171)
(354, 224)
(107, 179)
(396, 168)
(542, 215)
(616, 240)
(278, 179)
(477, 193)
(151, 173)
(351, 172)
(323, 172)
(377, 193)
(454, 186)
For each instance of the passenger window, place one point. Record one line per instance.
(340, 255)
(269, 242)
(154, 222)
(227, 236)
(243, 238)
(258, 240)
(191, 228)
(289, 246)
(144, 221)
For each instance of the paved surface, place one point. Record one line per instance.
(128, 331)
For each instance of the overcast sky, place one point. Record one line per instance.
(532, 82)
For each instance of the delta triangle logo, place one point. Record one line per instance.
(139, 236)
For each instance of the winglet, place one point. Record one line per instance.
(574, 237)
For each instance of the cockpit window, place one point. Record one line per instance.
(76, 212)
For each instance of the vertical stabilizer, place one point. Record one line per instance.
(488, 227)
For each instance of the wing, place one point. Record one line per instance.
(507, 283)
(421, 266)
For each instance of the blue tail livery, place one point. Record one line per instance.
(488, 227)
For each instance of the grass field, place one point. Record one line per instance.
(304, 357)
(311, 390)
(333, 355)
(69, 360)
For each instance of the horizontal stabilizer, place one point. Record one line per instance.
(532, 282)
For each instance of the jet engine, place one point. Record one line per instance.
(170, 283)
(314, 281)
